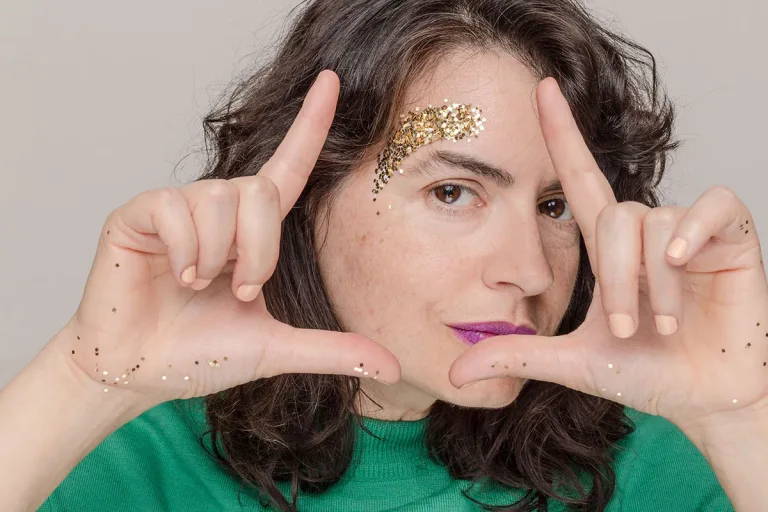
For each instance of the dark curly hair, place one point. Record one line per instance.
(301, 428)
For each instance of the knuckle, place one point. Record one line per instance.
(621, 214)
(220, 190)
(609, 215)
(293, 162)
(611, 283)
(263, 188)
(114, 215)
(661, 216)
(311, 117)
(168, 197)
(723, 190)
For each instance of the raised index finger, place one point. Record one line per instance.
(585, 187)
(297, 154)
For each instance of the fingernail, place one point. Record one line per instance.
(247, 292)
(199, 284)
(189, 275)
(666, 324)
(677, 248)
(621, 325)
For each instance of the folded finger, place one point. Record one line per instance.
(257, 238)
(717, 214)
(665, 281)
(213, 204)
(619, 250)
(164, 213)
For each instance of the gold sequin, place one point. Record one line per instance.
(453, 122)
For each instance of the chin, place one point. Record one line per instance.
(490, 394)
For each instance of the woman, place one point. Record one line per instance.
(341, 309)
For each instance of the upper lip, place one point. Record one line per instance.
(497, 328)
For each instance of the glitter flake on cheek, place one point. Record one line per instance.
(454, 122)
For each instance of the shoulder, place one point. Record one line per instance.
(659, 468)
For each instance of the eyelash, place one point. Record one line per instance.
(462, 211)
(452, 210)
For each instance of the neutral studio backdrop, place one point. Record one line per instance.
(101, 100)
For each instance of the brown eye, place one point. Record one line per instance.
(555, 208)
(448, 194)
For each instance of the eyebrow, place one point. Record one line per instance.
(477, 167)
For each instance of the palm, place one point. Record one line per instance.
(664, 374)
(178, 332)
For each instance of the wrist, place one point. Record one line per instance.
(736, 446)
(730, 432)
(117, 405)
(52, 407)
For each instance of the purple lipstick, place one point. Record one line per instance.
(476, 332)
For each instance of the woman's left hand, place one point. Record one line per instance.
(682, 337)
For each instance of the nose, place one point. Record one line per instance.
(517, 258)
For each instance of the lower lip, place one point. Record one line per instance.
(471, 337)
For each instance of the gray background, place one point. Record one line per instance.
(100, 101)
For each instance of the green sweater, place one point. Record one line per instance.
(156, 463)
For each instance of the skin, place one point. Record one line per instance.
(401, 277)
(681, 335)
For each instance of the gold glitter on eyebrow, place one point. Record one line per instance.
(453, 121)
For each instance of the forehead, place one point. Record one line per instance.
(504, 89)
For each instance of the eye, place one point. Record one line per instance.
(454, 195)
(556, 208)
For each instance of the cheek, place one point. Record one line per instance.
(562, 252)
(368, 267)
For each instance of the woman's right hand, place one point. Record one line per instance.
(160, 320)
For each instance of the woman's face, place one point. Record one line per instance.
(442, 245)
